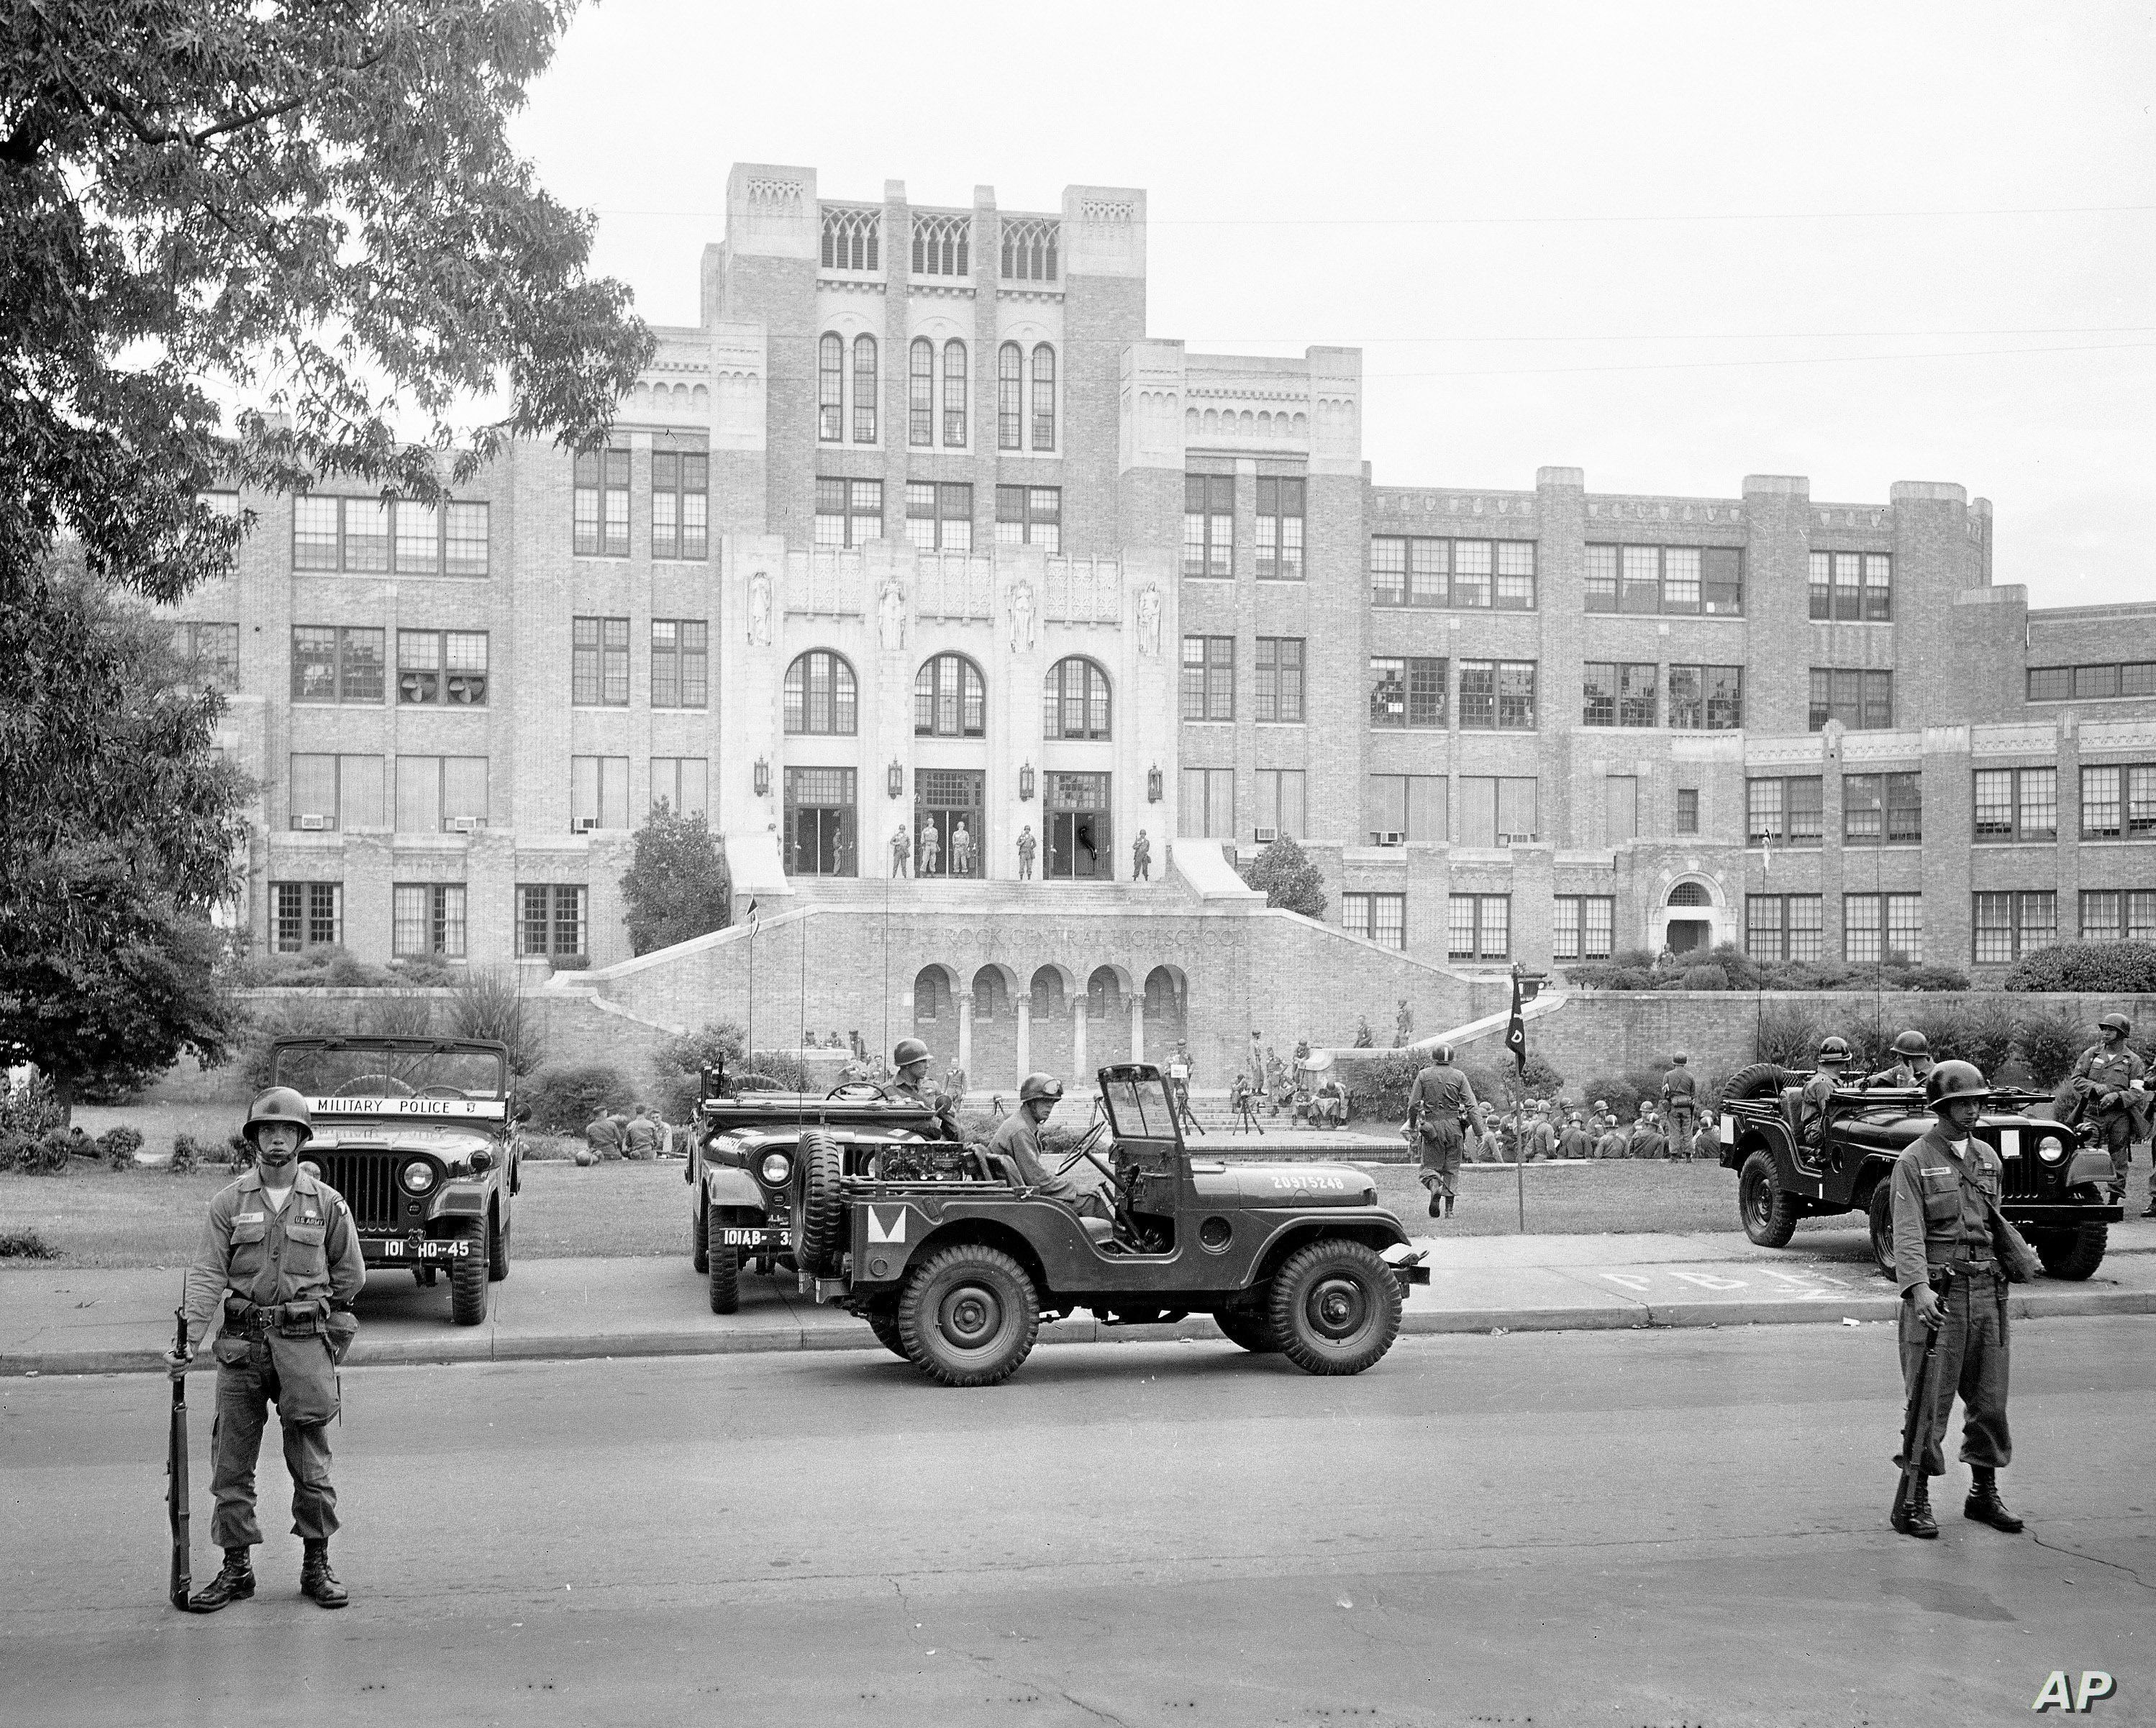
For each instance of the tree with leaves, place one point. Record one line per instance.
(677, 884)
(311, 207)
(1289, 878)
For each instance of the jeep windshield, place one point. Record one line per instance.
(367, 1071)
(1139, 1106)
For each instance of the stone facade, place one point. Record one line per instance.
(922, 437)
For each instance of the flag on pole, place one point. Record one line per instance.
(1515, 1034)
(752, 919)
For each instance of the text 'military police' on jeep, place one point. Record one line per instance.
(419, 1135)
(2053, 1191)
(955, 1262)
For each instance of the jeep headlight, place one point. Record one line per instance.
(417, 1176)
(776, 1167)
(2050, 1149)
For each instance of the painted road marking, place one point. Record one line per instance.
(1707, 1280)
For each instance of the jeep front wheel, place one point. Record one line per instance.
(700, 1237)
(2074, 1253)
(723, 1265)
(468, 1282)
(1880, 1213)
(1336, 1308)
(497, 1246)
(1769, 1214)
(968, 1315)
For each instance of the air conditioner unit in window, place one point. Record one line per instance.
(585, 824)
(464, 824)
(1393, 837)
(314, 824)
(1266, 836)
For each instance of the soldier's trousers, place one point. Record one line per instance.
(1971, 1361)
(1442, 1153)
(2115, 1134)
(296, 1375)
(1682, 1120)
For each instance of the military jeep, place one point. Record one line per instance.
(954, 1262)
(749, 1155)
(419, 1135)
(2053, 1189)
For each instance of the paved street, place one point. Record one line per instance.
(1650, 1527)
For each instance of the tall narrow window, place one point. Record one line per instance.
(1043, 398)
(680, 483)
(949, 698)
(1208, 678)
(1279, 529)
(1030, 515)
(954, 395)
(680, 663)
(865, 390)
(1208, 525)
(920, 393)
(819, 695)
(601, 503)
(1010, 396)
(830, 388)
(848, 512)
(598, 662)
(939, 516)
(1280, 678)
(1074, 700)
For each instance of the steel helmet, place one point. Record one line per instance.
(1040, 1085)
(1913, 1043)
(1442, 1055)
(2115, 1023)
(281, 1103)
(1677, 1057)
(910, 1050)
(1951, 1080)
(1833, 1049)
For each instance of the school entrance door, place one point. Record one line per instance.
(1081, 843)
(947, 804)
(819, 822)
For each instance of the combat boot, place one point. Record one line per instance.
(1915, 1518)
(235, 1583)
(1448, 1206)
(1434, 1201)
(1984, 1505)
(316, 1580)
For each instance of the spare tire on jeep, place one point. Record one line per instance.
(819, 1214)
(1759, 1080)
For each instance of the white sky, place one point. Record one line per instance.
(1673, 244)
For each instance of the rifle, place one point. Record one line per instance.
(1918, 1418)
(176, 1472)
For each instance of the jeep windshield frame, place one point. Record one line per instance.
(366, 1068)
(1140, 1105)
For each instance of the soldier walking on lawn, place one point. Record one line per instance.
(273, 1275)
(1438, 1109)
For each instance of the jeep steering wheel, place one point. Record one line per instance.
(442, 1092)
(1092, 1157)
(857, 1089)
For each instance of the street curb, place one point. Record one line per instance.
(479, 1347)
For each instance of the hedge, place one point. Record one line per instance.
(565, 1096)
(2108, 968)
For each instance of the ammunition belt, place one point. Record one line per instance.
(292, 1320)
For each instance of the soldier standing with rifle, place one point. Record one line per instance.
(2111, 1074)
(277, 1265)
(1948, 1232)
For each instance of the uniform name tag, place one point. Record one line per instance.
(248, 1217)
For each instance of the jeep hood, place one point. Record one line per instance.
(1244, 1185)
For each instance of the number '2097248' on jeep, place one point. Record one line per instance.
(956, 1263)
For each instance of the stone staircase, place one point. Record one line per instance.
(946, 894)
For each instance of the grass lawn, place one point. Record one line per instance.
(150, 1218)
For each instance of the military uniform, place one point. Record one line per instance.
(1573, 1142)
(1439, 1107)
(1681, 1103)
(1900, 1074)
(2102, 1071)
(1018, 1138)
(1945, 1215)
(1648, 1140)
(945, 1117)
(276, 1285)
(1811, 1109)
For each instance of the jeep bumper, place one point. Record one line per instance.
(2064, 1216)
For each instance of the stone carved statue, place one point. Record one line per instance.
(1021, 608)
(890, 616)
(1149, 619)
(759, 610)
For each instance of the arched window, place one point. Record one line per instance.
(931, 994)
(1010, 396)
(1047, 993)
(1689, 894)
(954, 395)
(1043, 398)
(920, 392)
(819, 694)
(865, 390)
(1104, 994)
(830, 388)
(950, 700)
(1075, 702)
(990, 997)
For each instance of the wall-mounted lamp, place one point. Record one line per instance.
(1152, 784)
(1025, 781)
(894, 781)
(762, 778)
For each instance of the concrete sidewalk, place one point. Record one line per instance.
(96, 1322)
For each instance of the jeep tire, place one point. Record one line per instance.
(1767, 1213)
(700, 1236)
(1880, 1213)
(820, 1212)
(723, 1274)
(968, 1315)
(497, 1245)
(1759, 1079)
(885, 1328)
(1250, 1327)
(468, 1281)
(1336, 1307)
(2073, 1253)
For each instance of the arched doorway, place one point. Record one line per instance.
(1692, 918)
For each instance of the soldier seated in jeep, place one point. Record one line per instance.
(1019, 1140)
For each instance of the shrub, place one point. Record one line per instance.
(677, 886)
(1607, 975)
(17, 1149)
(1619, 1093)
(572, 962)
(489, 1004)
(2112, 968)
(30, 1108)
(240, 1153)
(1637, 959)
(1705, 977)
(1289, 878)
(565, 1097)
(26, 1244)
(55, 1146)
(1927, 977)
(348, 972)
(187, 1154)
(1788, 1035)
(2049, 1039)
(118, 1146)
(714, 1041)
(424, 972)
(397, 1016)
(306, 1019)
